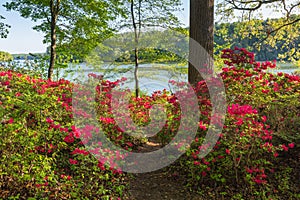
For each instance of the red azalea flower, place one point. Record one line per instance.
(6, 83)
(250, 171)
(69, 138)
(291, 145)
(49, 121)
(227, 151)
(18, 94)
(201, 126)
(80, 151)
(73, 162)
(196, 163)
(285, 148)
(129, 144)
(101, 166)
(239, 122)
(259, 181)
(11, 120)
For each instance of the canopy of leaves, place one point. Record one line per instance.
(276, 38)
(81, 24)
(149, 13)
(5, 56)
(3, 28)
(259, 36)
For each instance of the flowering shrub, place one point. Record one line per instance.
(275, 96)
(41, 154)
(261, 107)
(44, 153)
(245, 144)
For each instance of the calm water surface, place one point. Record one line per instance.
(151, 77)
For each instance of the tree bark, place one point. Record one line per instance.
(136, 41)
(54, 7)
(201, 31)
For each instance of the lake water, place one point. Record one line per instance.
(151, 77)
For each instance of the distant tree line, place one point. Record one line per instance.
(259, 37)
(256, 35)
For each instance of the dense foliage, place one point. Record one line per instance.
(262, 123)
(39, 156)
(44, 154)
(4, 28)
(155, 46)
(263, 37)
(5, 56)
(281, 45)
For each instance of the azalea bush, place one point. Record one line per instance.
(275, 96)
(41, 155)
(135, 112)
(44, 153)
(262, 123)
(52, 144)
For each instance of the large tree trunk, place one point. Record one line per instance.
(54, 15)
(202, 32)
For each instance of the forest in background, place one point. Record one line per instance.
(254, 34)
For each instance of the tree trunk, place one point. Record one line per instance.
(136, 41)
(202, 32)
(54, 15)
(136, 72)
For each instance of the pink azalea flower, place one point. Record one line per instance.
(291, 145)
(73, 162)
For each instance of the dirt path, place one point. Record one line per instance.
(169, 184)
(161, 184)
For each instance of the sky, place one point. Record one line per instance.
(23, 39)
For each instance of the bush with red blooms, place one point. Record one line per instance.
(41, 152)
(275, 96)
(262, 122)
(44, 153)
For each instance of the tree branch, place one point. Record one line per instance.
(277, 29)
(258, 3)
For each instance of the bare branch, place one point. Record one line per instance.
(238, 5)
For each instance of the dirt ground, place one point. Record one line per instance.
(158, 185)
(169, 184)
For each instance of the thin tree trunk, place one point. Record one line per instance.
(201, 31)
(136, 50)
(136, 54)
(54, 15)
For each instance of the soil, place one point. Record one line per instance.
(158, 185)
(170, 184)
